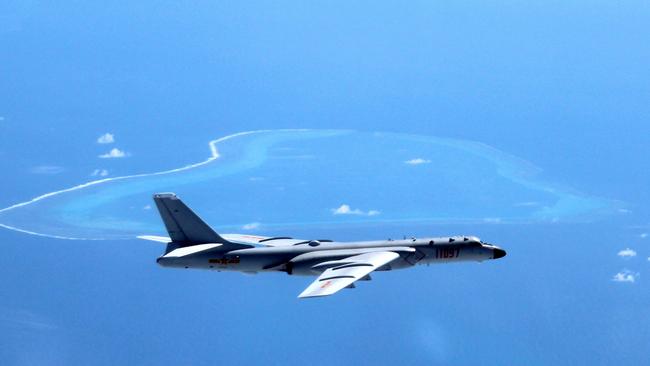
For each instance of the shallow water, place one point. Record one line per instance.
(284, 179)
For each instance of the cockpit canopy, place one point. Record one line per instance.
(471, 240)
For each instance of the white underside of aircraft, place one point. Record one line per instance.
(338, 265)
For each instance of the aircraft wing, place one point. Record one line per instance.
(343, 273)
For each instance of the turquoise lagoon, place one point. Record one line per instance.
(267, 181)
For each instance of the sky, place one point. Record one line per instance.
(95, 91)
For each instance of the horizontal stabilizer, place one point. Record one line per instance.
(160, 239)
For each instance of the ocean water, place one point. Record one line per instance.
(523, 123)
(295, 179)
(78, 300)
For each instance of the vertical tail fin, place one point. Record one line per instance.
(185, 228)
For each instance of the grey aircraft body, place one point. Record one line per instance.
(193, 244)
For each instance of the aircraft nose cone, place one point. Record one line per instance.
(498, 253)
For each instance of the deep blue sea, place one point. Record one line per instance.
(523, 124)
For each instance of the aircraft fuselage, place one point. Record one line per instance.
(303, 259)
(194, 244)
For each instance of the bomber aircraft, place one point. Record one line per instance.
(338, 265)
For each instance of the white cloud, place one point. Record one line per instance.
(114, 153)
(625, 276)
(627, 253)
(624, 211)
(99, 173)
(147, 207)
(347, 210)
(47, 169)
(107, 138)
(251, 226)
(643, 236)
(417, 161)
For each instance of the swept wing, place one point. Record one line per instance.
(344, 272)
